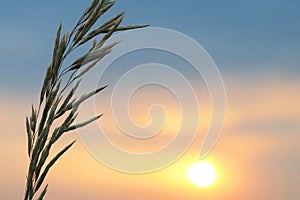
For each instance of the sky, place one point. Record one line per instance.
(256, 46)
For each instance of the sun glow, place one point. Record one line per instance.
(202, 174)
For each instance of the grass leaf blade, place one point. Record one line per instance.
(87, 96)
(42, 195)
(50, 164)
(29, 137)
(80, 125)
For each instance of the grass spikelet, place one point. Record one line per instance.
(55, 103)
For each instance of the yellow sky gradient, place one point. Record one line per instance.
(257, 156)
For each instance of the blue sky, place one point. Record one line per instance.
(243, 37)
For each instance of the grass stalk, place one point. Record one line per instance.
(55, 103)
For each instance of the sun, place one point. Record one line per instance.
(202, 174)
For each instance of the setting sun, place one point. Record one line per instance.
(202, 174)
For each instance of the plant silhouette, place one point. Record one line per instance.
(57, 97)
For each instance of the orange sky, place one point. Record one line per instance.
(257, 156)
